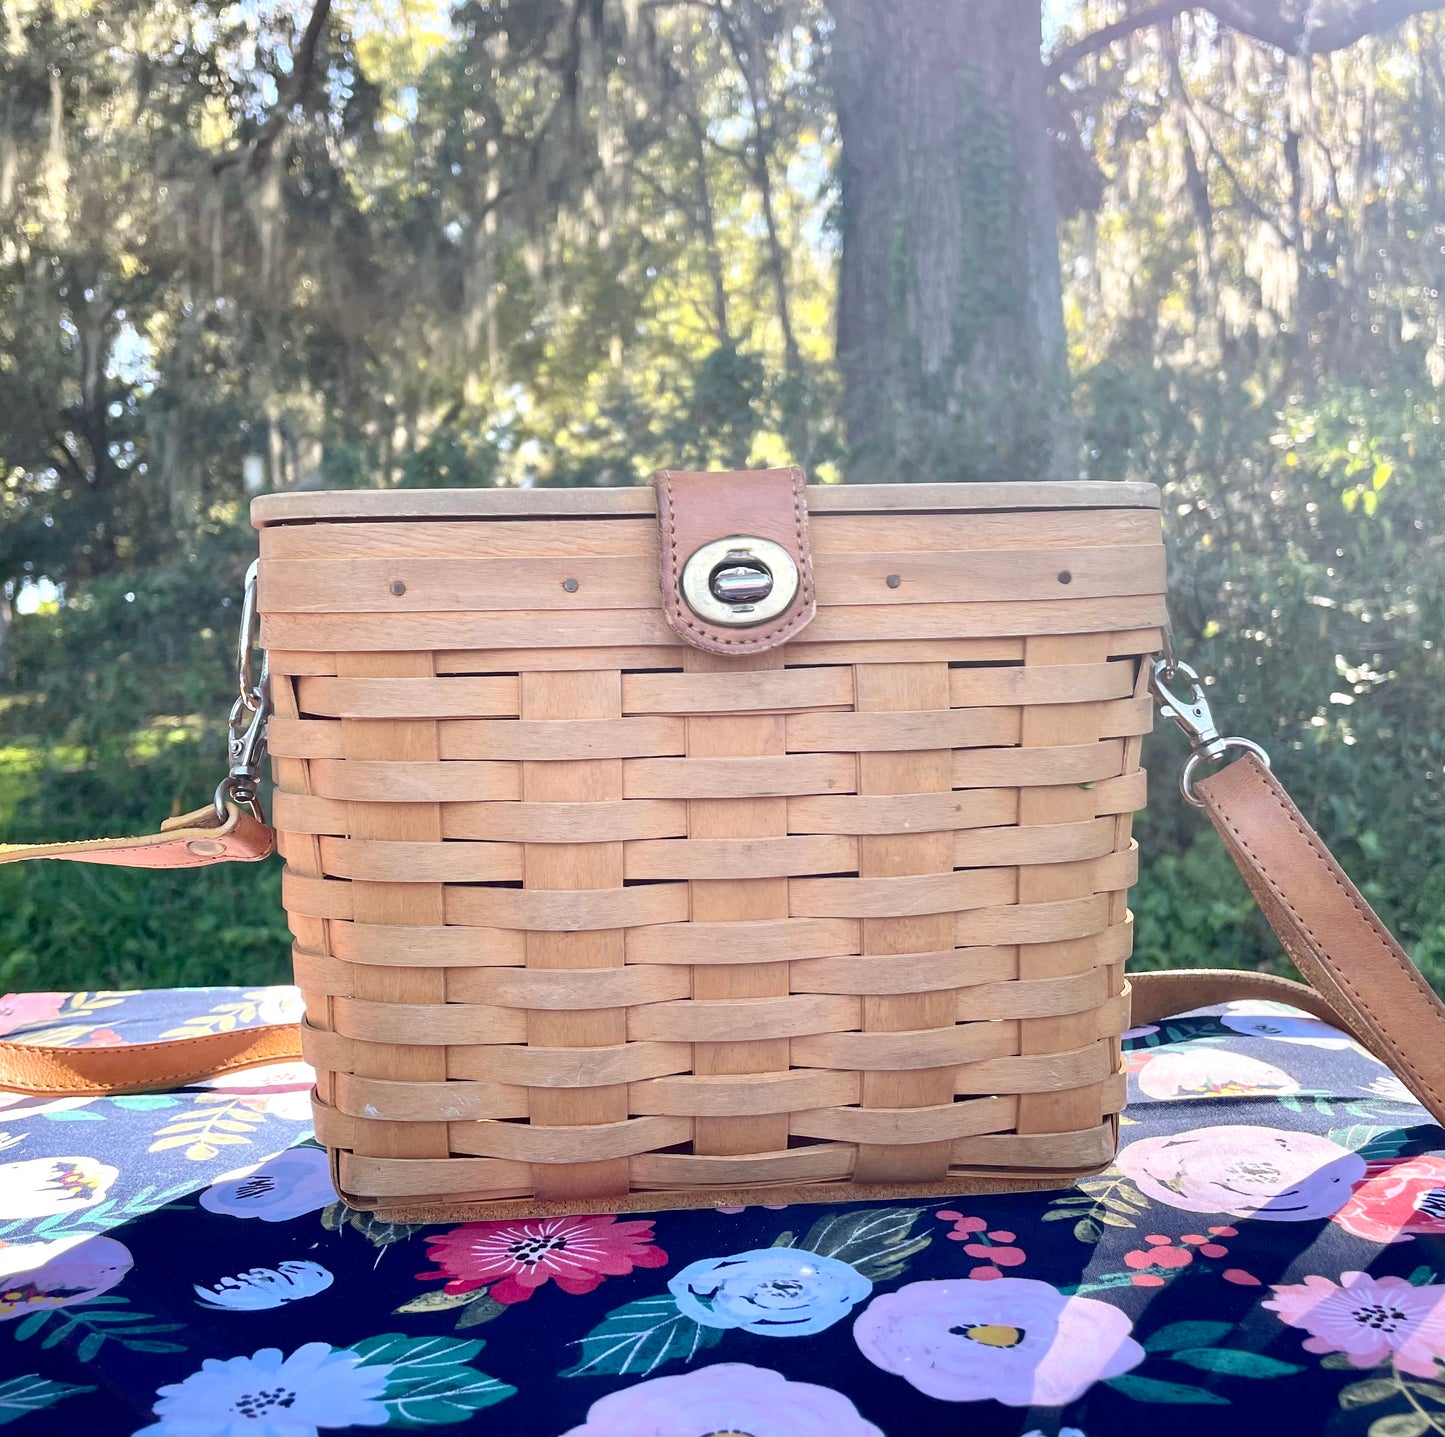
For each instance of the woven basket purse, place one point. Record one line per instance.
(602, 894)
(667, 846)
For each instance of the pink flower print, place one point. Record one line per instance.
(514, 1259)
(19, 1010)
(1013, 1340)
(1211, 1073)
(1245, 1171)
(1396, 1201)
(36, 1276)
(101, 1038)
(1370, 1319)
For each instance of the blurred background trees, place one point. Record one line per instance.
(397, 242)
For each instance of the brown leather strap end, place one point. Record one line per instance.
(1161, 995)
(1324, 924)
(735, 568)
(191, 840)
(142, 1067)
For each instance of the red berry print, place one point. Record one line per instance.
(994, 1250)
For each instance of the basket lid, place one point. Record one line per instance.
(637, 502)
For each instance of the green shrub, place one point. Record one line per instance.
(1307, 580)
(116, 721)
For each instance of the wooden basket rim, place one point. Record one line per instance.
(637, 501)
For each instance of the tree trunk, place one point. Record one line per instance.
(712, 253)
(950, 319)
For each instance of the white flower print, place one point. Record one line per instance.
(276, 1189)
(772, 1291)
(43, 1187)
(281, 1089)
(1392, 1090)
(264, 1287)
(1257, 1018)
(281, 1004)
(266, 1395)
(1211, 1073)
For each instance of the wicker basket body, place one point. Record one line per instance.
(588, 918)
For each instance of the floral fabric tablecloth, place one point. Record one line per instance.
(1268, 1255)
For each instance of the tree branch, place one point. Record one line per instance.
(256, 155)
(1306, 34)
(1107, 35)
(1355, 23)
(1249, 202)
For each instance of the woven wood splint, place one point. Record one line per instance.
(591, 917)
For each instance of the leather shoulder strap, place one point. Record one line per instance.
(1159, 995)
(191, 840)
(1333, 936)
(142, 1067)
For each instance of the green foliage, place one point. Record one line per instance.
(1192, 910)
(1151, 1389)
(639, 1337)
(1319, 618)
(429, 1379)
(100, 1320)
(879, 1243)
(22, 1395)
(1264, 342)
(116, 722)
(74, 926)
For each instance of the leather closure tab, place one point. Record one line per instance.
(735, 569)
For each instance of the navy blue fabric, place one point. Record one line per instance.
(1268, 1255)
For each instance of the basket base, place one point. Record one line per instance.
(968, 1184)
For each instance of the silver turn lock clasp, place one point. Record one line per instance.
(739, 581)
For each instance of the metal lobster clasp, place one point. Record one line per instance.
(250, 712)
(1195, 718)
